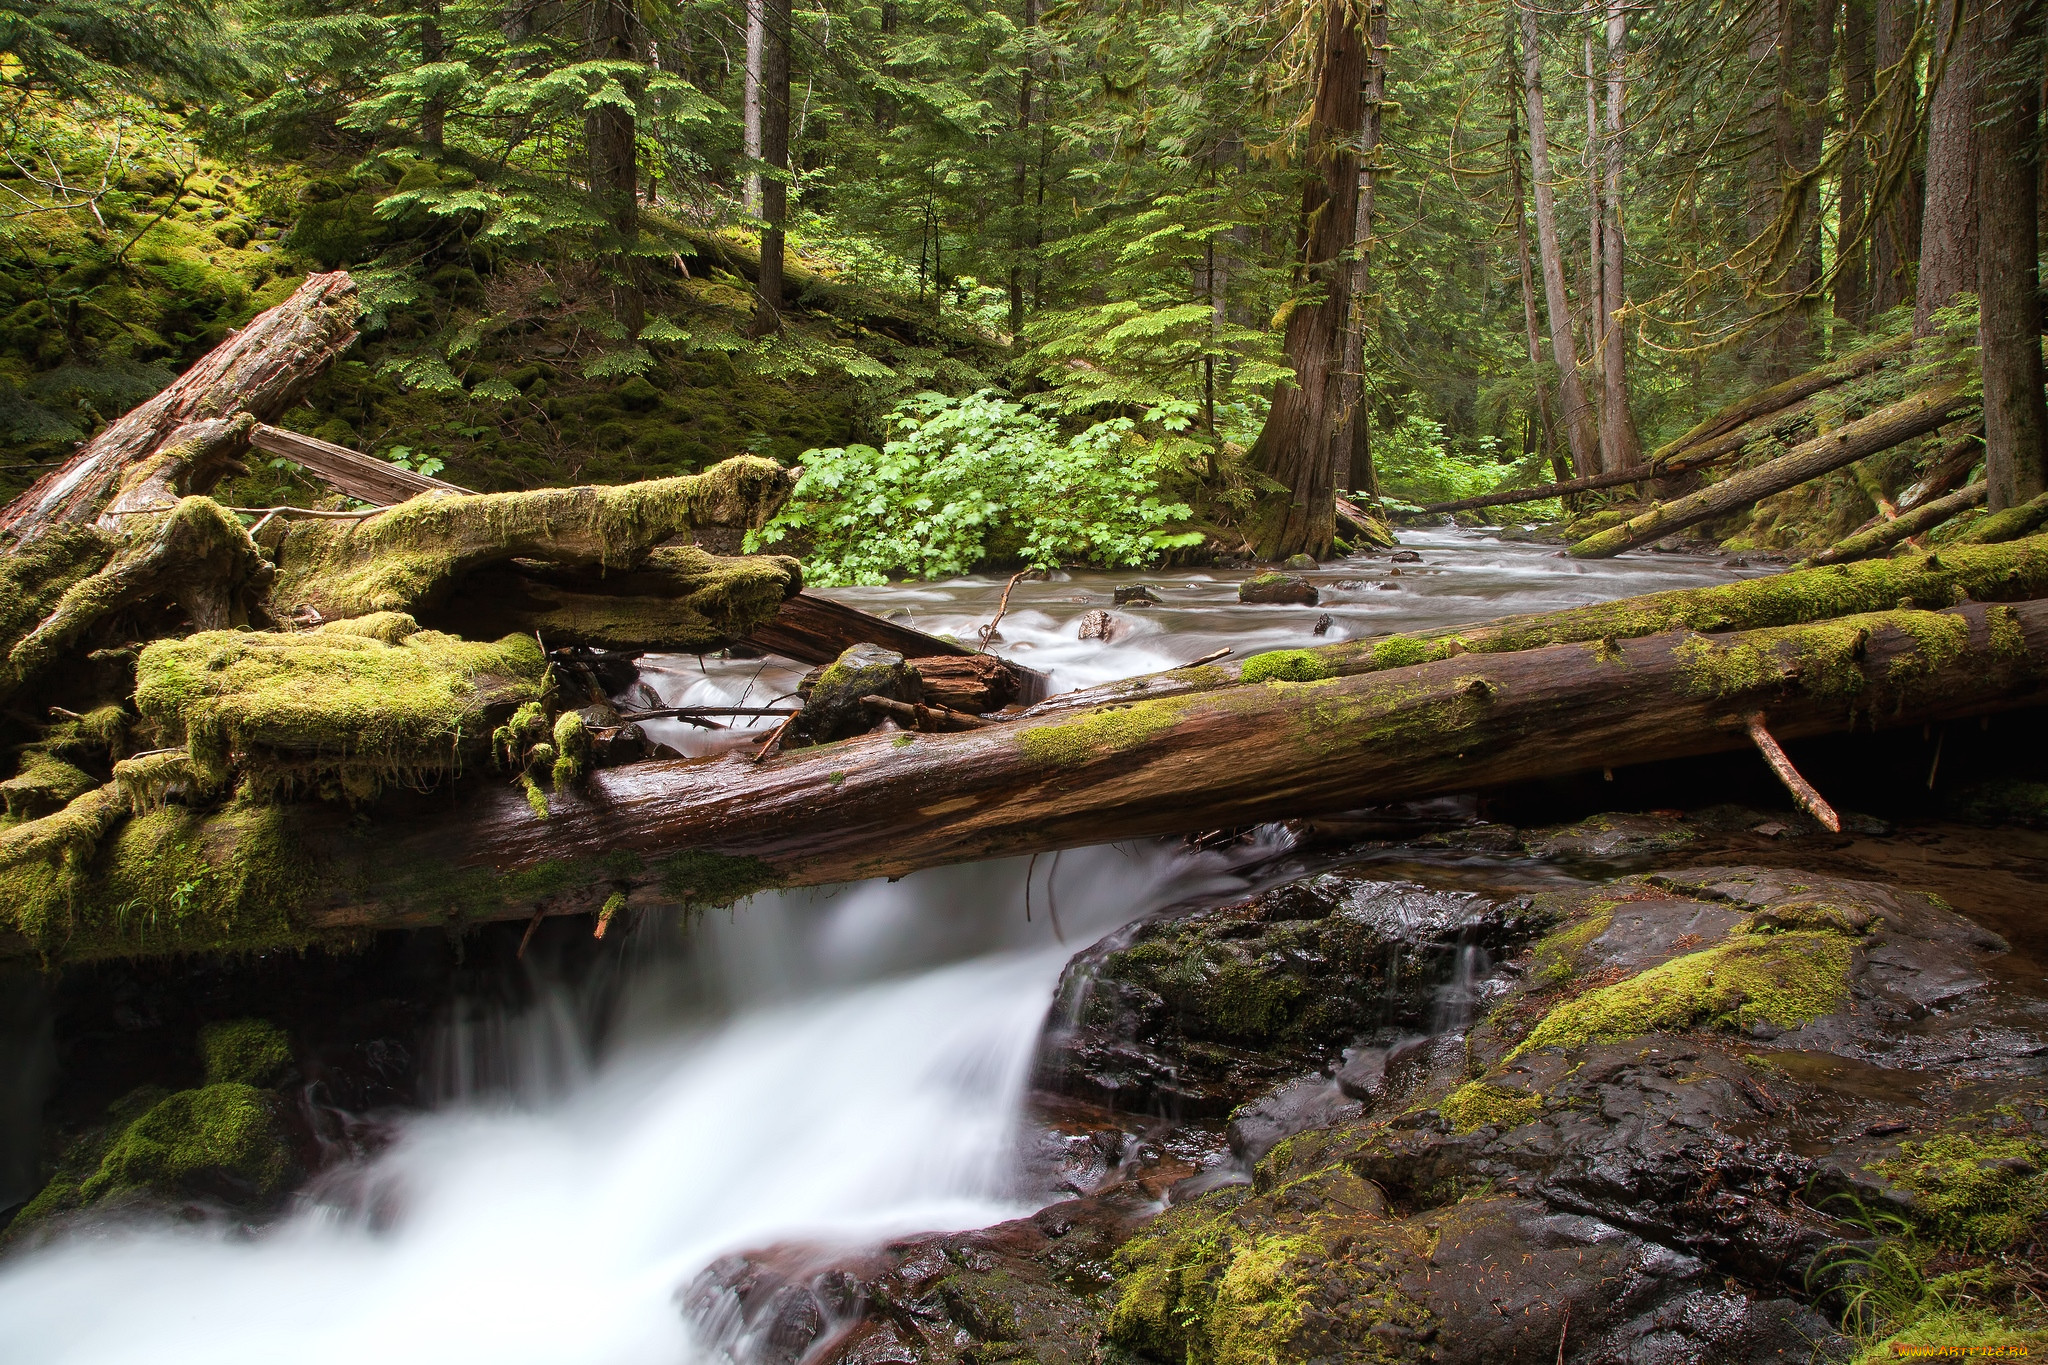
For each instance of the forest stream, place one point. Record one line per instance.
(1109, 1104)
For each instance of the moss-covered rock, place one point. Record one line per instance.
(832, 706)
(245, 1051)
(1284, 588)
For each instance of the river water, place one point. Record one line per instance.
(839, 1065)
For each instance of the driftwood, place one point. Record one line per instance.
(258, 372)
(707, 832)
(358, 475)
(1881, 430)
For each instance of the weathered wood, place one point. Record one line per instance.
(681, 831)
(1886, 534)
(977, 683)
(258, 371)
(1804, 795)
(358, 475)
(1881, 430)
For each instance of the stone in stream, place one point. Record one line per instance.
(1098, 625)
(1278, 588)
(832, 708)
(1135, 595)
(1299, 563)
(1405, 557)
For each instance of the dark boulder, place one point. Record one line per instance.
(832, 707)
(1278, 588)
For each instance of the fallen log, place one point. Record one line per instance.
(1906, 525)
(358, 475)
(1960, 573)
(707, 833)
(259, 371)
(2011, 524)
(1881, 430)
(1633, 474)
(1773, 400)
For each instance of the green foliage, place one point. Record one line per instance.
(972, 480)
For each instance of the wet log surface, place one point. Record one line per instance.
(884, 805)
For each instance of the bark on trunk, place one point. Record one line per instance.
(679, 832)
(750, 99)
(358, 475)
(1896, 198)
(1578, 413)
(1881, 430)
(1948, 227)
(1019, 190)
(2008, 245)
(1298, 447)
(1354, 432)
(1620, 447)
(1532, 332)
(433, 48)
(613, 134)
(775, 157)
(1852, 271)
(259, 372)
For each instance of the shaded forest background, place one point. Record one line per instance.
(604, 241)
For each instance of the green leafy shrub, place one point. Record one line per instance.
(974, 479)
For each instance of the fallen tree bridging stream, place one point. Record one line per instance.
(295, 730)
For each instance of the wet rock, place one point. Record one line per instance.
(1278, 588)
(832, 708)
(1192, 1014)
(639, 697)
(1323, 623)
(1098, 625)
(1299, 1105)
(1299, 563)
(614, 748)
(1405, 557)
(1134, 595)
(1608, 837)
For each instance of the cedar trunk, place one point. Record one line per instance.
(1620, 447)
(2008, 245)
(1299, 446)
(1948, 227)
(775, 158)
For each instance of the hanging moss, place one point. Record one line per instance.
(295, 710)
(572, 750)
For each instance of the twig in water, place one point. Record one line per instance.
(527, 937)
(1211, 657)
(1803, 793)
(1052, 904)
(988, 632)
(773, 744)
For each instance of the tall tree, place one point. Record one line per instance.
(2008, 249)
(1948, 226)
(1578, 413)
(1020, 234)
(750, 95)
(1299, 446)
(1895, 207)
(612, 138)
(1532, 331)
(1619, 445)
(1355, 426)
(1852, 270)
(774, 101)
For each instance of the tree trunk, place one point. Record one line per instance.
(1355, 426)
(1596, 221)
(1298, 448)
(1852, 270)
(1846, 444)
(775, 159)
(613, 135)
(750, 97)
(1895, 201)
(692, 833)
(1578, 413)
(1532, 333)
(1948, 227)
(259, 371)
(1019, 243)
(1620, 447)
(2008, 245)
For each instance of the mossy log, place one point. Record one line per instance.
(682, 832)
(2010, 524)
(1881, 430)
(1906, 525)
(183, 439)
(1774, 400)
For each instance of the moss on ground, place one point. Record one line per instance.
(1983, 1193)
(1477, 1104)
(1784, 979)
(337, 709)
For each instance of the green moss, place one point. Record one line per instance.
(901, 742)
(197, 1138)
(2008, 641)
(2010, 524)
(703, 879)
(303, 709)
(1286, 665)
(1556, 953)
(405, 557)
(1825, 657)
(43, 783)
(613, 904)
(249, 1051)
(1258, 1303)
(1784, 979)
(572, 750)
(1979, 1193)
(1107, 731)
(536, 799)
(1477, 1104)
(1959, 1332)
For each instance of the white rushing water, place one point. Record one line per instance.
(862, 1078)
(846, 1065)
